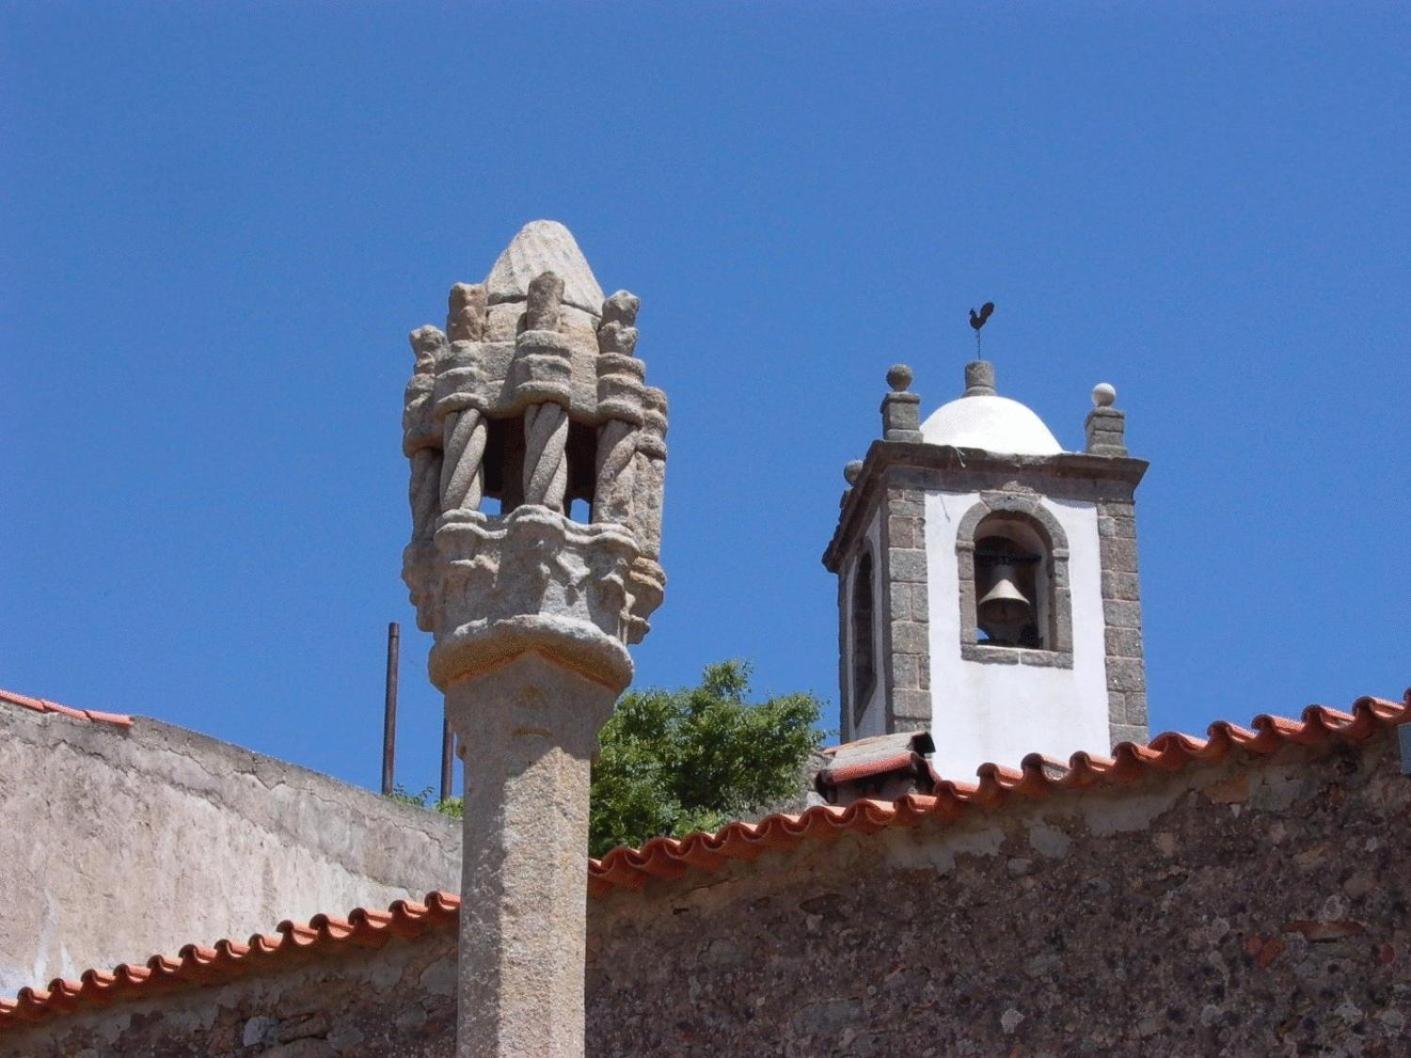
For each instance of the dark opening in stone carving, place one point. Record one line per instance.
(582, 452)
(504, 462)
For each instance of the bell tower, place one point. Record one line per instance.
(987, 580)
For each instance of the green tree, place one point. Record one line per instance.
(694, 759)
(691, 759)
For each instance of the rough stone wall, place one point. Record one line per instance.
(1238, 910)
(120, 843)
(1122, 610)
(1254, 908)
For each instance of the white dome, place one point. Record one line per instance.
(996, 424)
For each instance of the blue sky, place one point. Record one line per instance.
(219, 221)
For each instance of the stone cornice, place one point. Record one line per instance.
(973, 469)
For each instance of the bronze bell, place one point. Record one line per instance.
(1004, 611)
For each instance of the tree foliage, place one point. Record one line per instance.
(691, 759)
(694, 759)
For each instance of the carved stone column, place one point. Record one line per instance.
(531, 613)
(546, 359)
(421, 443)
(620, 401)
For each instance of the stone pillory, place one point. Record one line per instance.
(530, 402)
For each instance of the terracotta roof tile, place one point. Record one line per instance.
(872, 758)
(44, 705)
(1037, 776)
(630, 869)
(226, 959)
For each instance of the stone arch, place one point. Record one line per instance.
(1027, 508)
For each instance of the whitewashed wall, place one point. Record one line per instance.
(990, 712)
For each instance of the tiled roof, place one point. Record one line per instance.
(228, 958)
(44, 705)
(1037, 776)
(671, 858)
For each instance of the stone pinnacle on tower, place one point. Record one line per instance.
(532, 399)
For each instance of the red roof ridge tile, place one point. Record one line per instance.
(667, 857)
(44, 705)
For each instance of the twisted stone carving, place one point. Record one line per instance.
(545, 455)
(617, 472)
(650, 473)
(620, 400)
(523, 356)
(463, 466)
(462, 484)
(419, 437)
(546, 422)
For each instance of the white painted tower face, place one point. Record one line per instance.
(988, 582)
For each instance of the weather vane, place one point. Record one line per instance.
(977, 320)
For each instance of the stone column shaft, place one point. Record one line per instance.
(530, 731)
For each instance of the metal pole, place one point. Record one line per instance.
(389, 714)
(448, 759)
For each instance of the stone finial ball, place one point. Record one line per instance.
(898, 377)
(852, 470)
(1104, 393)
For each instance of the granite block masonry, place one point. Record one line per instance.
(532, 399)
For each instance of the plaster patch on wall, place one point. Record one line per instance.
(1048, 840)
(927, 851)
(1278, 787)
(1108, 813)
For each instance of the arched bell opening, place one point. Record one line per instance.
(1014, 604)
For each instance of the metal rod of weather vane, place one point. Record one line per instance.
(389, 713)
(448, 760)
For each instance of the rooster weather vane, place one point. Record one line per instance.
(977, 320)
